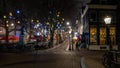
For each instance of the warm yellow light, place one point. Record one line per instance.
(63, 19)
(7, 21)
(37, 20)
(32, 20)
(18, 22)
(58, 22)
(4, 16)
(75, 38)
(47, 23)
(58, 15)
(7, 25)
(10, 13)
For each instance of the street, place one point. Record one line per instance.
(59, 33)
(57, 57)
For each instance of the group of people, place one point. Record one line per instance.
(80, 42)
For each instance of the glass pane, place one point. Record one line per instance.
(113, 35)
(102, 35)
(93, 35)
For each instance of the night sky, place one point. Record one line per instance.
(41, 8)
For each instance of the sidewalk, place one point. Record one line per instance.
(93, 63)
(92, 59)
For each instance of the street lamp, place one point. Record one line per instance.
(70, 36)
(108, 22)
(68, 23)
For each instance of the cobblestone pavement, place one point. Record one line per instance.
(52, 58)
(57, 57)
(93, 59)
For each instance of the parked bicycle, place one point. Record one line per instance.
(111, 59)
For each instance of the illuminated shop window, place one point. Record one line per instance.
(113, 35)
(103, 36)
(93, 35)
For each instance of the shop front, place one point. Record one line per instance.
(98, 38)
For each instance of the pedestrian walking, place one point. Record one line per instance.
(78, 42)
(83, 41)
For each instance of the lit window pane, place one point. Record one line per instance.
(102, 35)
(93, 35)
(113, 35)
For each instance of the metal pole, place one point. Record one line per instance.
(69, 42)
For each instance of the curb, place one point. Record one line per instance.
(82, 63)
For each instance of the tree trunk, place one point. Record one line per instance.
(51, 38)
(6, 27)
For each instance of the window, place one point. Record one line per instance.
(103, 36)
(93, 35)
(113, 35)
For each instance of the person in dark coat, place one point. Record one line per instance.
(78, 42)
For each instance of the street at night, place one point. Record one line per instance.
(57, 57)
(59, 34)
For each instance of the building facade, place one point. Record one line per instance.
(98, 32)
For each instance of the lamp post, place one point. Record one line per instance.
(70, 36)
(69, 32)
(108, 40)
